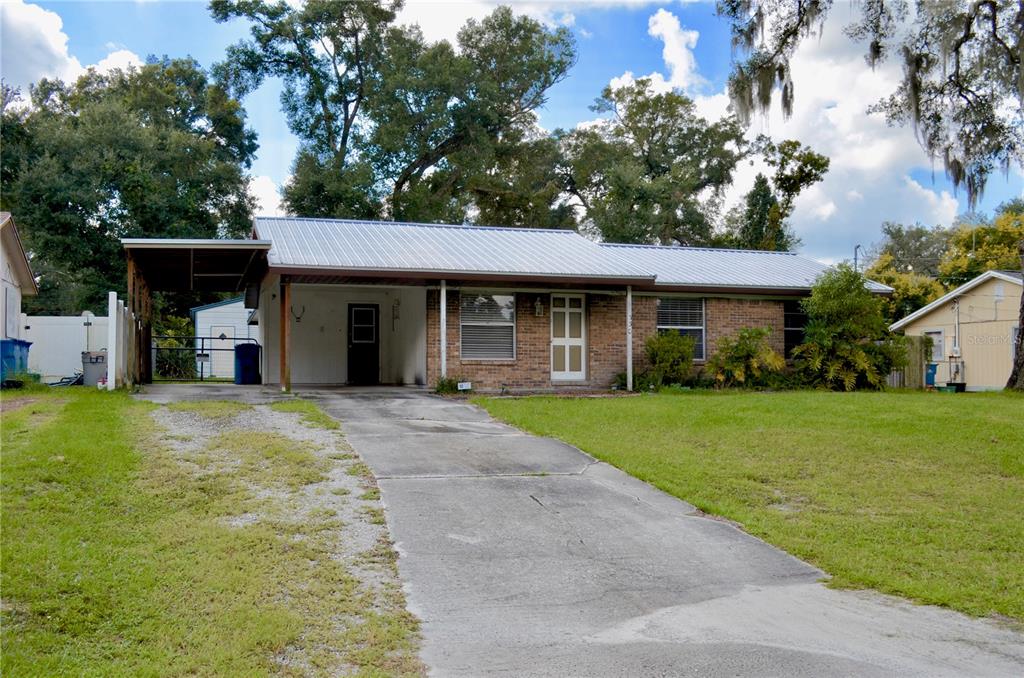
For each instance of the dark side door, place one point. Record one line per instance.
(363, 344)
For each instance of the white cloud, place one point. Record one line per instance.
(677, 54)
(442, 19)
(268, 196)
(35, 46)
(122, 58)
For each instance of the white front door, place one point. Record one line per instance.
(568, 342)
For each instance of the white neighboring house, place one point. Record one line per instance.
(220, 325)
(18, 280)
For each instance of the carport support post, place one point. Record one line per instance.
(286, 334)
(629, 337)
(444, 329)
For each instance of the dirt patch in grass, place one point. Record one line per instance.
(144, 540)
(290, 482)
(9, 404)
(211, 409)
(311, 414)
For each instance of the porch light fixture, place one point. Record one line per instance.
(538, 307)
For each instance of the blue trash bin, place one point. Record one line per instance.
(13, 358)
(247, 363)
(929, 374)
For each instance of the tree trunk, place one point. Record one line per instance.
(1016, 381)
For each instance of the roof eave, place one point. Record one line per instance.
(438, 274)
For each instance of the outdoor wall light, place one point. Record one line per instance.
(538, 307)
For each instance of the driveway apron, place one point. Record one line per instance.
(525, 557)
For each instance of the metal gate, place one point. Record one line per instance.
(186, 358)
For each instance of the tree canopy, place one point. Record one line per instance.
(962, 88)
(655, 171)
(393, 125)
(974, 250)
(157, 151)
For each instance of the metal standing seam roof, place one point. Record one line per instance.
(352, 245)
(707, 267)
(382, 246)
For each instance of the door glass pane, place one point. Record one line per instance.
(575, 325)
(558, 302)
(362, 316)
(575, 302)
(558, 324)
(558, 354)
(575, 358)
(362, 334)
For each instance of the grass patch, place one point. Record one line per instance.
(312, 415)
(271, 458)
(211, 409)
(119, 560)
(372, 494)
(915, 494)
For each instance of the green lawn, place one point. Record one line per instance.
(118, 560)
(917, 494)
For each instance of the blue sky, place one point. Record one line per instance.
(878, 173)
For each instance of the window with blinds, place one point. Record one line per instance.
(488, 326)
(685, 317)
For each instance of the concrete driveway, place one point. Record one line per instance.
(525, 557)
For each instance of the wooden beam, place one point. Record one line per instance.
(286, 333)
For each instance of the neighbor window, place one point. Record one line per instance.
(685, 317)
(488, 323)
(938, 345)
(794, 325)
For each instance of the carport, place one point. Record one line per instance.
(184, 265)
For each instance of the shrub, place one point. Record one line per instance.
(745, 359)
(447, 385)
(671, 358)
(847, 344)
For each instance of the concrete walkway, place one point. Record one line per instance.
(525, 557)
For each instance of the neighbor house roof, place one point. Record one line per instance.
(205, 307)
(16, 251)
(1015, 277)
(701, 267)
(318, 246)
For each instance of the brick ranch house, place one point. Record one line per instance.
(357, 302)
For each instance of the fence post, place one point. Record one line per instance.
(112, 318)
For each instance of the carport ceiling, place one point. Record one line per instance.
(198, 265)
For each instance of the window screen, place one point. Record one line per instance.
(686, 317)
(488, 323)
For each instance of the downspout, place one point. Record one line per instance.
(444, 329)
(629, 337)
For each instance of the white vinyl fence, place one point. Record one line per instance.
(121, 349)
(58, 342)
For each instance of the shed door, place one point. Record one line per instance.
(568, 337)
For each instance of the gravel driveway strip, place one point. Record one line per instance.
(525, 557)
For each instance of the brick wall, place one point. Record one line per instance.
(531, 370)
(724, 317)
